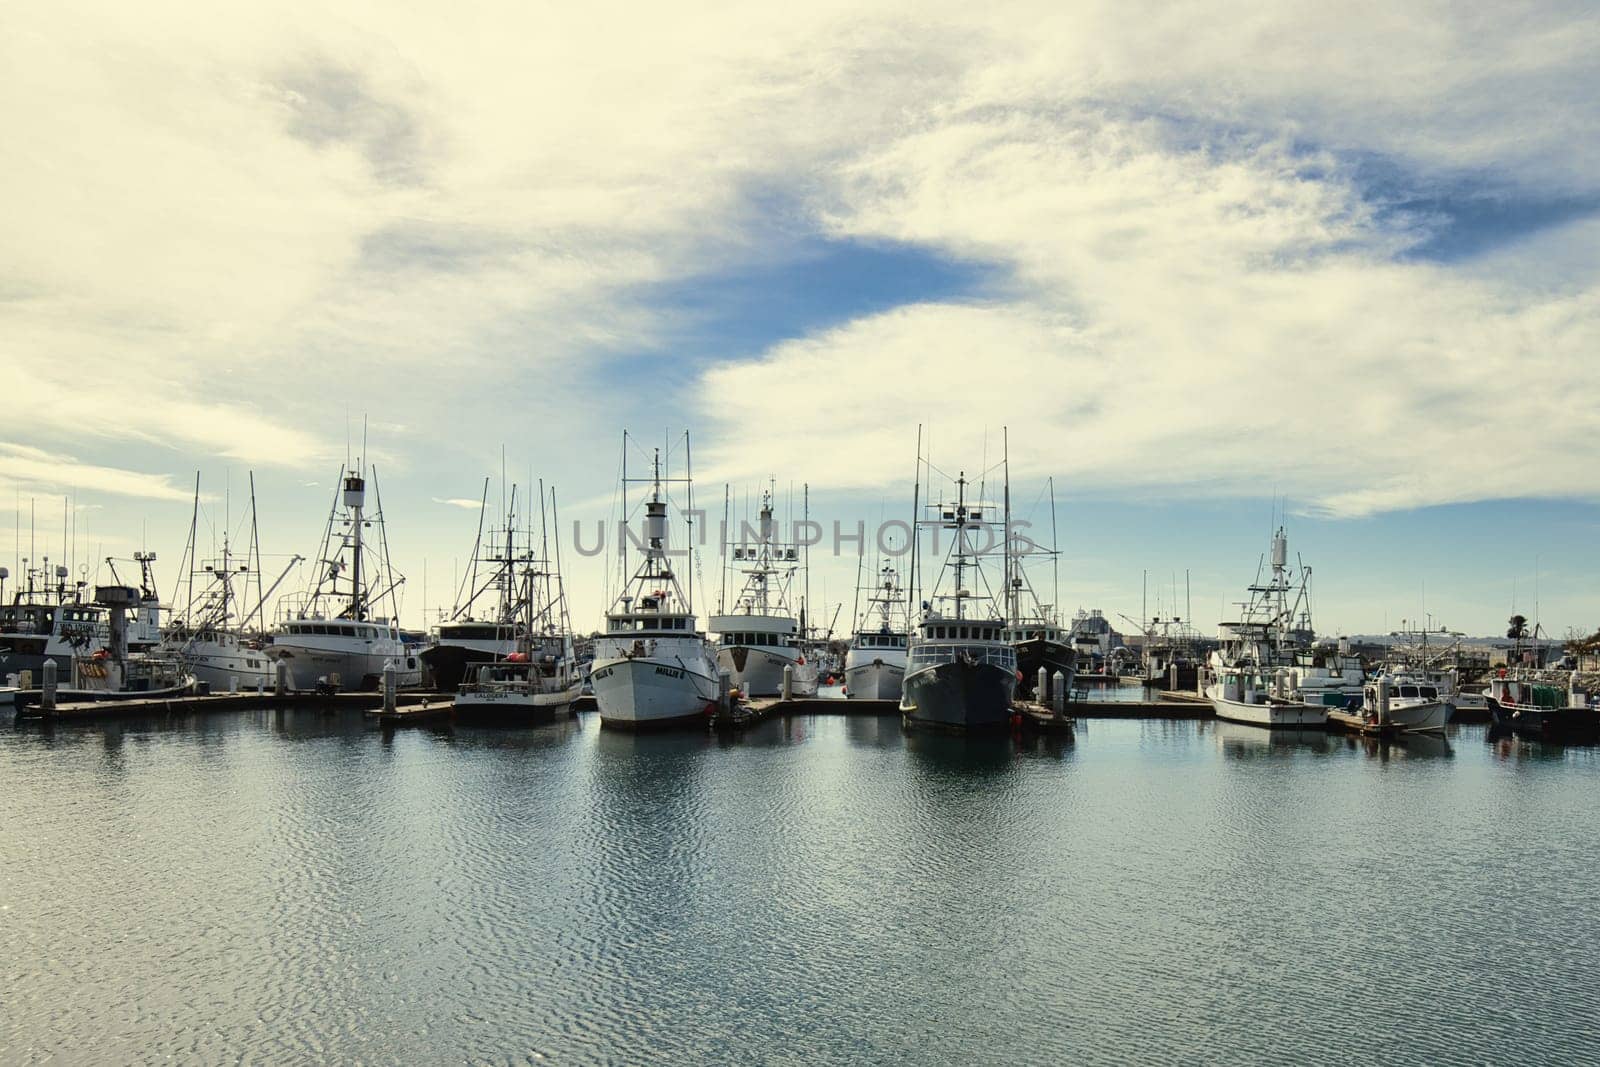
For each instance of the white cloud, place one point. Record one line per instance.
(460, 502)
(29, 470)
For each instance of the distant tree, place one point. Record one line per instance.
(1518, 630)
(1578, 641)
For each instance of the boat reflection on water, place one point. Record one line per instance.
(1411, 746)
(1250, 742)
(1510, 746)
(526, 738)
(937, 752)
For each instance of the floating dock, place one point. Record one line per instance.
(159, 707)
(426, 713)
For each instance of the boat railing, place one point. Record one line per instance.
(933, 653)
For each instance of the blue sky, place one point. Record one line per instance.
(1194, 260)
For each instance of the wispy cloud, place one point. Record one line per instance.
(459, 502)
(26, 469)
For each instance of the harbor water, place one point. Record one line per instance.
(295, 886)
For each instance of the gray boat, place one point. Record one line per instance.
(961, 671)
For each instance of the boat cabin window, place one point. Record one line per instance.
(1429, 692)
(1408, 690)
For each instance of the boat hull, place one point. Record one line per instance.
(1428, 717)
(757, 672)
(1301, 716)
(1053, 656)
(1545, 722)
(651, 694)
(510, 708)
(357, 669)
(450, 665)
(876, 680)
(959, 696)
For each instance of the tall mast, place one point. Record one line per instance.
(805, 591)
(688, 471)
(193, 549)
(255, 547)
(1055, 559)
(1011, 586)
(914, 581)
(722, 593)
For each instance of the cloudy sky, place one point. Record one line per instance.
(1195, 258)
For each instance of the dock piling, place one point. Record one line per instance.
(1042, 693)
(1058, 693)
(391, 686)
(47, 695)
(788, 682)
(281, 678)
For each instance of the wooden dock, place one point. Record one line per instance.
(427, 713)
(164, 707)
(1356, 723)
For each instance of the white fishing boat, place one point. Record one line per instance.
(961, 672)
(875, 665)
(47, 619)
(337, 635)
(1269, 670)
(1406, 703)
(653, 667)
(538, 681)
(218, 635)
(113, 672)
(761, 638)
(1245, 694)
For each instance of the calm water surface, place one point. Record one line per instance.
(296, 886)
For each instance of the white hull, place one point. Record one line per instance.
(1270, 714)
(1420, 718)
(873, 680)
(222, 664)
(640, 692)
(762, 675)
(355, 667)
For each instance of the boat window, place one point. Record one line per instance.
(1393, 692)
(1408, 690)
(1429, 692)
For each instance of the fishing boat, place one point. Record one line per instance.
(538, 682)
(1536, 703)
(761, 637)
(1244, 693)
(214, 636)
(485, 625)
(1405, 702)
(875, 664)
(113, 672)
(961, 672)
(1033, 627)
(338, 635)
(48, 619)
(1269, 669)
(653, 668)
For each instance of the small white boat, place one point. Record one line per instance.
(1243, 694)
(519, 692)
(1405, 702)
